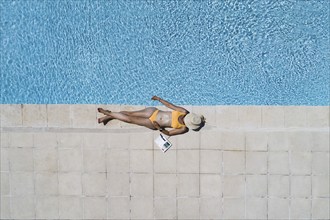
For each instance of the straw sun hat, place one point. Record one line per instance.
(194, 121)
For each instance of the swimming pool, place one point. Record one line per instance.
(253, 52)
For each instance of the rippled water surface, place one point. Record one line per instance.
(261, 52)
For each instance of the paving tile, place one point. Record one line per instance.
(301, 186)
(95, 208)
(4, 140)
(118, 141)
(18, 139)
(59, 116)
(118, 184)
(233, 162)
(22, 207)
(320, 163)
(320, 208)
(300, 209)
(188, 208)
(210, 139)
(5, 208)
(233, 186)
(278, 208)
(142, 141)
(47, 208)
(260, 212)
(295, 116)
(46, 184)
(278, 141)
(301, 163)
(210, 185)
(256, 162)
(70, 207)
(141, 161)
(83, 116)
(118, 208)
(70, 184)
(45, 140)
(11, 115)
(211, 161)
(94, 184)
(70, 160)
(21, 159)
(320, 141)
(249, 116)
(320, 186)
(95, 140)
(189, 141)
(46, 159)
(256, 141)
(4, 159)
(5, 188)
(94, 160)
(272, 116)
(165, 185)
(188, 161)
(165, 208)
(142, 208)
(117, 161)
(188, 185)
(22, 184)
(234, 208)
(69, 140)
(165, 163)
(227, 117)
(300, 141)
(256, 185)
(232, 140)
(142, 185)
(34, 115)
(278, 163)
(278, 186)
(318, 116)
(210, 208)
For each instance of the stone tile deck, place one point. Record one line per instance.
(249, 162)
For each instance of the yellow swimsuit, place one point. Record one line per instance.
(175, 118)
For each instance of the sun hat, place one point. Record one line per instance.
(193, 121)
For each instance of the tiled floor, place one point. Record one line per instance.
(249, 162)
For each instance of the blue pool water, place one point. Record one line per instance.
(251, 52)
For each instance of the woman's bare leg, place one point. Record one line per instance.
(144, 113)
(142, 121)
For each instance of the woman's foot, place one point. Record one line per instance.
(104, 120)
(103, 111)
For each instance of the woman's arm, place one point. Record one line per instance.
(171, 132)
(170, 105)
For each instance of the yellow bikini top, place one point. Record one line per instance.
(175, 119)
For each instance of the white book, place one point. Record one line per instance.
(163, 143)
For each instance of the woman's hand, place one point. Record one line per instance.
(157, 126)
(155, 98)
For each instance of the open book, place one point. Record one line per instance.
(163, 143)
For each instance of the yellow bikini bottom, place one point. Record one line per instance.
(153, 117)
